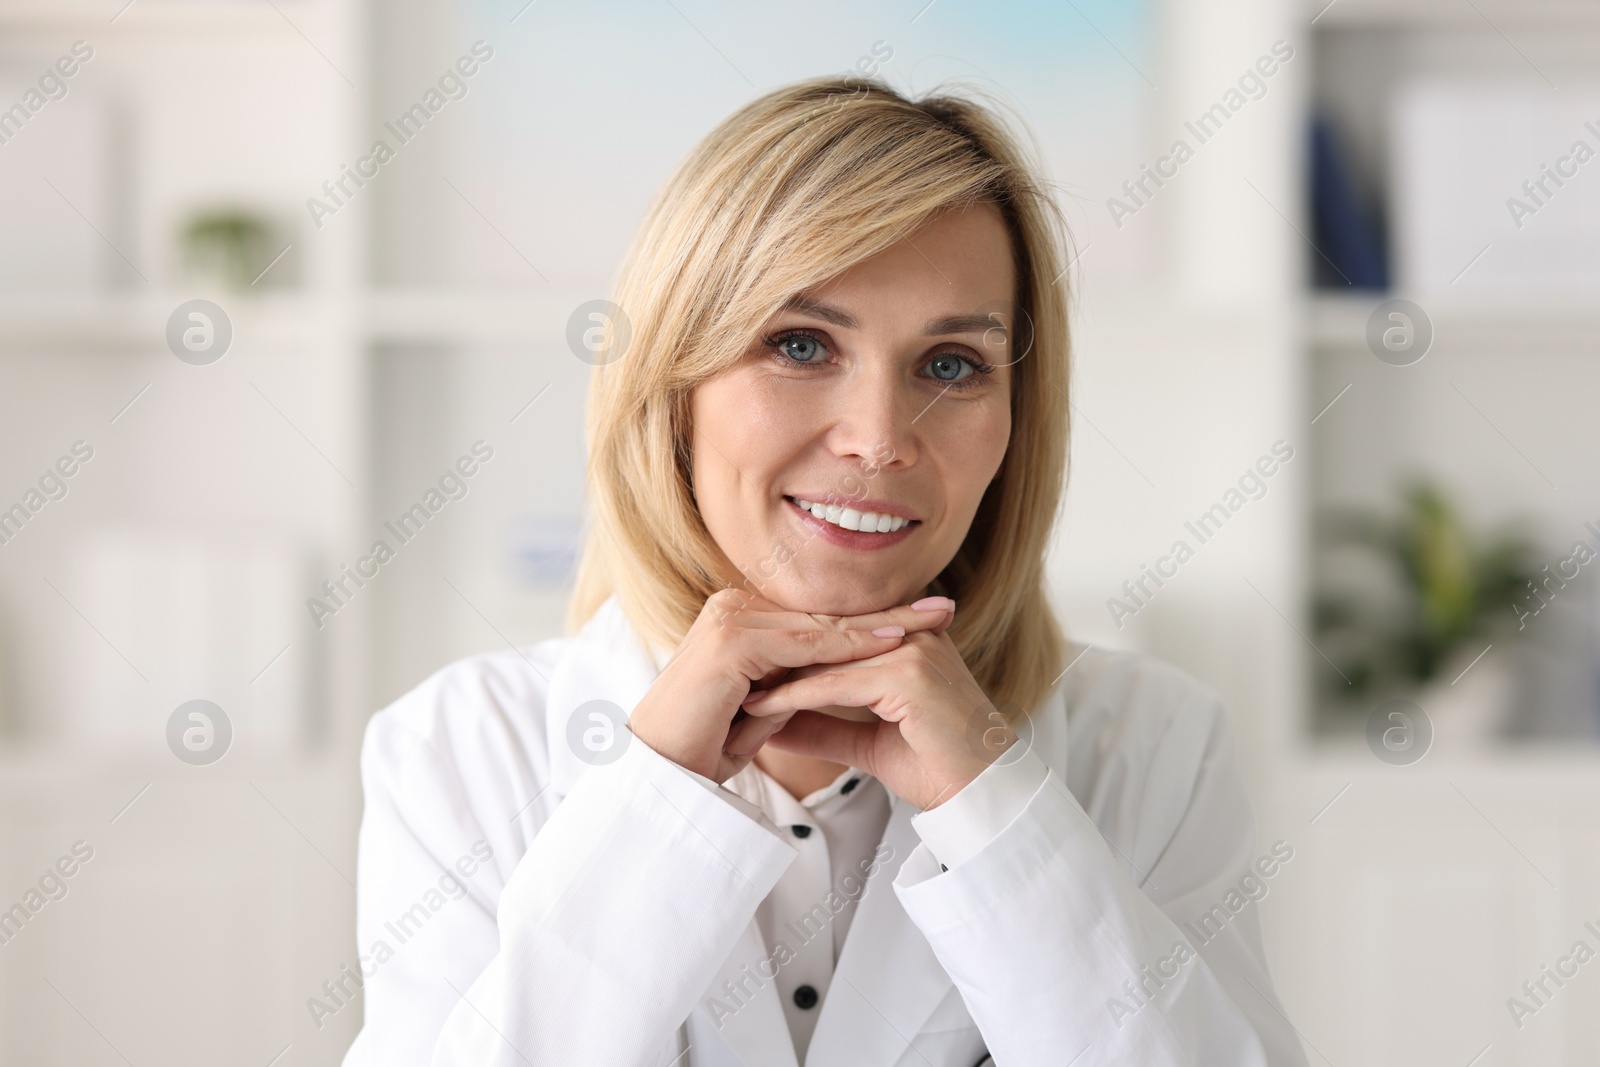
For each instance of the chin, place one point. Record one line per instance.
(837, 598)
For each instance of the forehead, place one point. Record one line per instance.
(957, 263)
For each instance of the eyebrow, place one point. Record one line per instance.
(947, 324)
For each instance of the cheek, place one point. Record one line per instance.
(970, 457)
(757, 423)
(976, 446)
(746, 433)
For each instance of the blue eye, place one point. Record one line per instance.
(949, 367)
(801, 348)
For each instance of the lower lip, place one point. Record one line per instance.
(838, 535)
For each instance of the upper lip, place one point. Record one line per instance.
(882, 507)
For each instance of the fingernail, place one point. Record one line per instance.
(934, 603)
(755, 695)
(889, 631)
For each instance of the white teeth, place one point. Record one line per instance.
(851, 519)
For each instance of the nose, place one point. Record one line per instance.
(878, 414)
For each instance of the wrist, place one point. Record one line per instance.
(662, 747)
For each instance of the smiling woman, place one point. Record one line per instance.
(836, 262)
(844, 412)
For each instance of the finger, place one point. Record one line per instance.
(780, 673)
(816, 668)
(948, 621)
(748, 735)
(811, 733)
(732, 606)
(910, 618)
(853, 687)
(766, 651)
(932, 611)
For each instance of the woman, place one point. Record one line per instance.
(818, 780)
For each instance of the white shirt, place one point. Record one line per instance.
(835, 833)
(519, 904)
(840, 826)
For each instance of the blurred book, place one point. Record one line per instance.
(545, 550)
(192, 616)
(1352, 254)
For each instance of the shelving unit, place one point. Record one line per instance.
(1429, 892)
(195, 92)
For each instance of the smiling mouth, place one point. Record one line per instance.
(852, 519)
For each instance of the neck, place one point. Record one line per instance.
(799, 775)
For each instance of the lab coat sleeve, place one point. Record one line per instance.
(960, 827)
(608, 928)
(1060, 948)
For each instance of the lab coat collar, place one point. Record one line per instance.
(605, 660)
(888, 980)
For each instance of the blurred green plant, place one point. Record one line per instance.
(231, 245)
(1444, 590)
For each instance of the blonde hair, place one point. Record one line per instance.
(784, 194)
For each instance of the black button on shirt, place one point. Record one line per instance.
(851, 784)
(801, 830)
(805, 998)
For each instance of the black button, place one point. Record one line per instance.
(851, 784)
(805, 998)
(942, 867)
(801, 830)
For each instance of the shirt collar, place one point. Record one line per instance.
(764, 791)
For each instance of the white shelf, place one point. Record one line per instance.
(1487, 15)
(1548, 763)
(139, 323)
(1339, 323)
(25, 769)
(162, 16)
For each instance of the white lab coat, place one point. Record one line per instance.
(617, 900)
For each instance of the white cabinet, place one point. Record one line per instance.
(1420, 902)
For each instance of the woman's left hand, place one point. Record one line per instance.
(935, 730)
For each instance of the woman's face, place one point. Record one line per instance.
(885, 392)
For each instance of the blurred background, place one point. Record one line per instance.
(1337, 333)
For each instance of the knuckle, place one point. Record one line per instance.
(828, 677)
(811, 639)
(833, 623)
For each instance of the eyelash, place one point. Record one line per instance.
(979, 368)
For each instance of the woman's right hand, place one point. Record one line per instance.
(742, 641)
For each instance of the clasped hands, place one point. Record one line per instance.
(750, 673)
